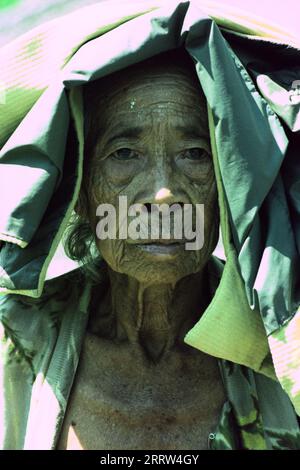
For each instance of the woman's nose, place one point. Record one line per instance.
(163, 186)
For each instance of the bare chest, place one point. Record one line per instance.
(120, 402)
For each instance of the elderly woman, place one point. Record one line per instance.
(149, 345)
(148, 136)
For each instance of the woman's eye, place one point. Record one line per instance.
(124, 154)
(196, 154)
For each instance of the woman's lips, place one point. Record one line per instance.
(165, 247)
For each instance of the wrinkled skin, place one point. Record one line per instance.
(154, 141)
(138, 386)
(148, 131)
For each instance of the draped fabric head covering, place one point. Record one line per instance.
(250, 75)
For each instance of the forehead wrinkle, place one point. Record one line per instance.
(157, 108)
(143, 96)
(165, 110)
(121, 127)
(145, 77)
(140, 93)
(181, 89)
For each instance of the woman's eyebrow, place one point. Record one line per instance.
(192, 132)
(134, 132)
(125, 132)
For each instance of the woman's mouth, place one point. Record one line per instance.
(162, 247)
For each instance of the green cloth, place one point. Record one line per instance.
(247, 74)
(40, 353)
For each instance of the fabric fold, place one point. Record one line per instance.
(253, 319)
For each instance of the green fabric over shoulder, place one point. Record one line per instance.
(254, 127)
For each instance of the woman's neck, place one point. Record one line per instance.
(152, 317)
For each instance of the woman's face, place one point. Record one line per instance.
(152, 146)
